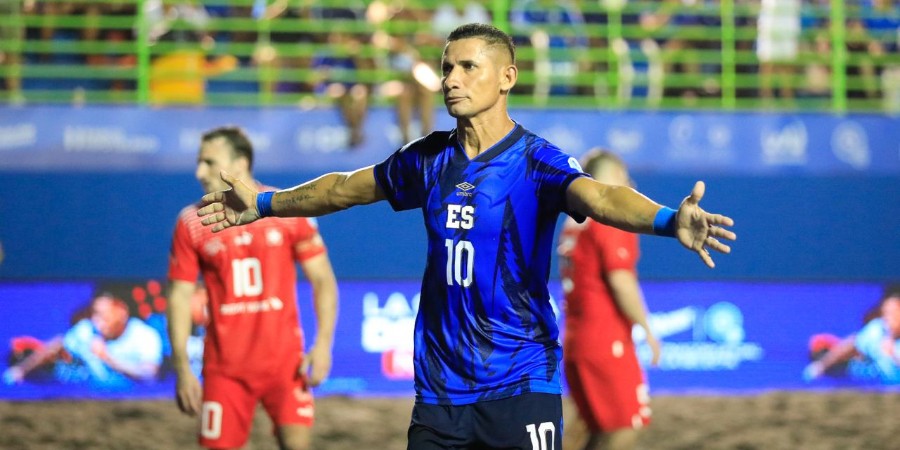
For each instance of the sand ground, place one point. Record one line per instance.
(777, 420)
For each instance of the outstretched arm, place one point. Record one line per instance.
(324, 195)
(842, 352)
(50, 351)
(625, 208)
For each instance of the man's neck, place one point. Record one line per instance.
(477, 136)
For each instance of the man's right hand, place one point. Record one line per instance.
(188, 394)
(235, 206)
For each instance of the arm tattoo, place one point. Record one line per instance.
(301, 194)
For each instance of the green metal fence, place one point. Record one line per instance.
(662, 54)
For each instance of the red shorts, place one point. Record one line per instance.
(229, 404)
(609, 389)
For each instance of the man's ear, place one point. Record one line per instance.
(508, 78)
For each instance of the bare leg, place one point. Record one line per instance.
(293, 437)
(356, 113)
(426, 109)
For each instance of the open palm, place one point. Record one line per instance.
(231, 207)
(699, 230)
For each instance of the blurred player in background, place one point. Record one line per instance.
(254, 344)
(486, 349)
(872, 353)
(108, 350)
(603, 301)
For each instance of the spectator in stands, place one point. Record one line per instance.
(648, 62)
(335, 65)
(777, 44)
(555, 29)
(98, 35)
(285, 59)
(453, 13)
(817, 73)
(50, 31)
(10, 57)
(180, 76)
(596, 17)
(871, 34)
(414, 83)
(882, 19)
(862, 49)
(667, 24)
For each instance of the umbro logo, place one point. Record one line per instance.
(465, 187)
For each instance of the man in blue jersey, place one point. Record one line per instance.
(486, 350)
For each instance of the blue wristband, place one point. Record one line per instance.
(664, 222)
(264, 203)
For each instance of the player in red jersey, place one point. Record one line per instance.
(603, 300)
(254, 344)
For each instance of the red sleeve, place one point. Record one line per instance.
(618, 249)
(183, 262)
(307, 241)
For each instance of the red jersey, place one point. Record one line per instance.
(588, 252)
(251, 278)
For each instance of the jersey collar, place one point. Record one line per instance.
(511, 138)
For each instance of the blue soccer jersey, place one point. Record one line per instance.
(485, 328)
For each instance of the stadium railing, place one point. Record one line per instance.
(615, 54)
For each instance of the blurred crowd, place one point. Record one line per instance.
(347, 53)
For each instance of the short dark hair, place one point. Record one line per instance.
(236, 138)
(488, 33)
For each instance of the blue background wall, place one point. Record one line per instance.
(88, 200)
(88, 225)
(93, 192)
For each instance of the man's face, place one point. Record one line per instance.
(109, 317)
(890, 312)
(474, 75)
(216, 155)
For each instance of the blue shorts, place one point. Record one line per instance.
(530, 421)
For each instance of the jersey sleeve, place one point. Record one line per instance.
(868, 339)
(554, 171)
(184, 264)
(150, 345)
(618, 249)
(401, 177)
(308, 242)
(77, 340)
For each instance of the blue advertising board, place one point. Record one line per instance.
(98, 138)
(717, 336)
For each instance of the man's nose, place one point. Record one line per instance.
(451, 80)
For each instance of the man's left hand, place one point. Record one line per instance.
(699, 230)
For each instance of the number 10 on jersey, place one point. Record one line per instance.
(247, 277)
(460, 259)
